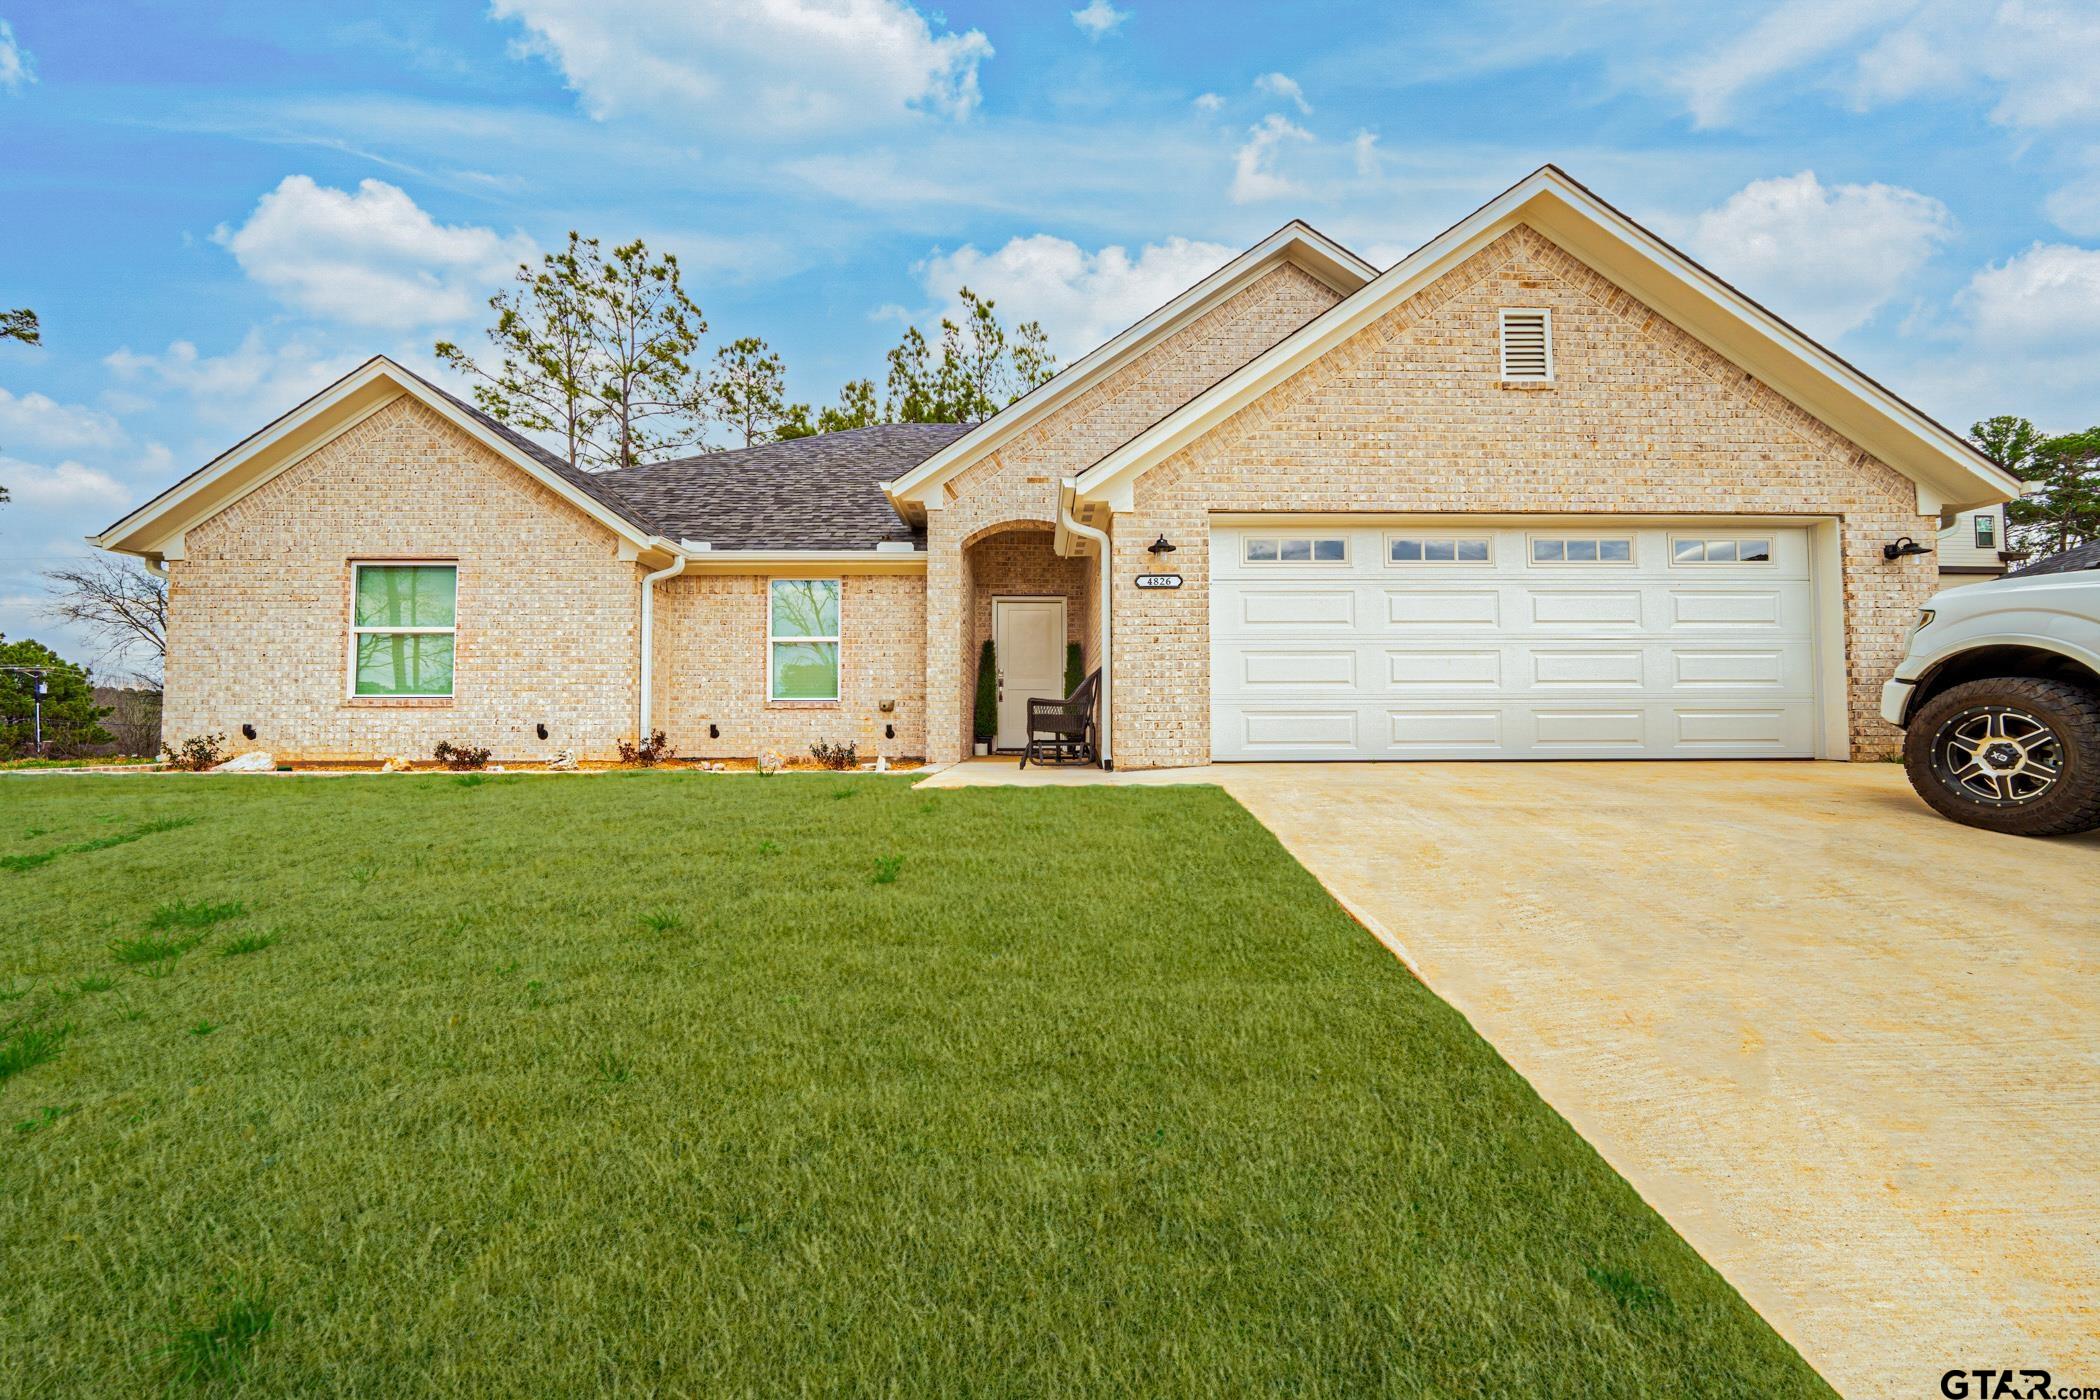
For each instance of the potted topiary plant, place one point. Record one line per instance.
(986, 725)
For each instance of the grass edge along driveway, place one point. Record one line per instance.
(702, 1084)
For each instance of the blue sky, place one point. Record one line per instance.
(217, 208)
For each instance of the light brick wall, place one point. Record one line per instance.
(258, 614)
(711, 659)
(1410, 416)
(1019, 483)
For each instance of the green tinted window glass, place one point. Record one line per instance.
(406, 595)
(805, 608)
(805, 670)
(404, 663)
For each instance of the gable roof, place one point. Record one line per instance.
(156, 528)
(815, 493)
(821, 492)
(1297, 242)
(1949, 471)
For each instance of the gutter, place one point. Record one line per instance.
(679, 559)
(1108, 631)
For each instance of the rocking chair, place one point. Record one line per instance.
(1062, 731)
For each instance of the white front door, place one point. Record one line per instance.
(1028, 645)
(1573, 638)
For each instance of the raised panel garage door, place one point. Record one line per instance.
(1607, 639)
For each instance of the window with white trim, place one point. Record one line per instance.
(1986, 531)
(1582, 549)
(403, 626)
(802, 639)
(1298, 549)
(1433, 549)
(1527, 345)
(1701, 550)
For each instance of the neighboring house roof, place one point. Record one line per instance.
(1949, 471)
(2085, 556)
(821, 492)
(1298, 243)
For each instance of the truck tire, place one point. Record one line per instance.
(2016, 755)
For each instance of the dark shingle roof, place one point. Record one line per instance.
(821, 492)
(2085, 556)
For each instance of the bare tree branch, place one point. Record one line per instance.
(116, 601)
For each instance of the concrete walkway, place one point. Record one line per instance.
(1850, 1050)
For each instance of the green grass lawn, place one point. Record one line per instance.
(681, 1084)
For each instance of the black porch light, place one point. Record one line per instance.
(1159, 548)
(1903, 547)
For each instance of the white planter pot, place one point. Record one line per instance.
(984, 748)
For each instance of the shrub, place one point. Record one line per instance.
(837, 757)
(196, 753)
(459, 757)
(648, 753)
(770, 762)
(1075, 666)
(986, 724)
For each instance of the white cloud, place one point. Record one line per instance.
(2076, 207)
(1279, 85)
(1081, 298)
(2043, 299)
(2036, 55)
(1099, 19)
(67, 484)
(372, 258)
(17, 64)
(1207, 102)
(1255, 175)
(1364, 148)
(2032, 57)
(38, 420)
(245, 387)
(763, 67)
(2025, 339)
(1825, 257)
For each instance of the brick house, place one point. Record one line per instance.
(1544, 488)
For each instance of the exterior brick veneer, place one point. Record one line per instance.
(1410, 415)
(1020, 482)
(711, 668)
(258, 613)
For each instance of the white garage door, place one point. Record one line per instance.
(1600, 640)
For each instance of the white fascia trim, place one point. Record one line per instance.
(1306, 247)
(165, 509)
(749, 561)
(167, 502)
(1548, 191)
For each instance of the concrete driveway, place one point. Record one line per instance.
(1850, 1050)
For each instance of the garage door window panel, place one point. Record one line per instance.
(1405, 550)
(1298, 549)
(1703, 549)
(1581, 549)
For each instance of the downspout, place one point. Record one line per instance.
(648, 668)
(1108, 633)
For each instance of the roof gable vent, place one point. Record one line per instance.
(1527, 345)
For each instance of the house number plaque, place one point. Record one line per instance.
(1159, 580)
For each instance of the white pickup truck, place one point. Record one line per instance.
(2000, 702)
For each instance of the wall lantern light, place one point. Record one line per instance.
(247, 731)
(1159, 548)
(1902, 548)
(541, 729)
